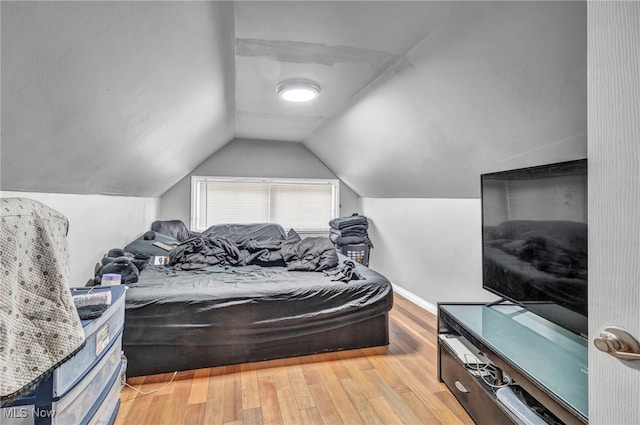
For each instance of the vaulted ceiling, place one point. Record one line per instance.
(417, 97)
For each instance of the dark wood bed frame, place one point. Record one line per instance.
(148, 360)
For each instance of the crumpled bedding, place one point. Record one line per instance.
(242, 233)
(346, 272)
(40, 327)
(309, 254)
(197, 253)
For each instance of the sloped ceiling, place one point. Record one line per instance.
(496, 86)
(417, 97)
(343, 46)
(113, 97)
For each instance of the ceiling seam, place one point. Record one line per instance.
(360, 93)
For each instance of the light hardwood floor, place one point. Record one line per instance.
(396, 384)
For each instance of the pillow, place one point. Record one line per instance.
(314, 254)
(241, 233)
(289, 248)
(174, 228)
(147, 244)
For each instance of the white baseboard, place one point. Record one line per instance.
(425, 305)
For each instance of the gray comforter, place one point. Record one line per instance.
(310, 254)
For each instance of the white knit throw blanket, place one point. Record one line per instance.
(39, 324)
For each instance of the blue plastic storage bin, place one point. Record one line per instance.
(86, 388)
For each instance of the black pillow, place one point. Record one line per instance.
(314, 254)
(289, 248)
(144, 246)
(241, 233)
(173, 228)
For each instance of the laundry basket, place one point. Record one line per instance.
(359, 252)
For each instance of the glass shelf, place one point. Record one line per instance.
(552, 357)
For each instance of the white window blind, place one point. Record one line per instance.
(304, 205)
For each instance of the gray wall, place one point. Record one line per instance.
(614, 204)
(253, 158)
(429, 247)
(496, 86)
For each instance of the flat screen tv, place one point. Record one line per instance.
(534, 240)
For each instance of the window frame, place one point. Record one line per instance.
(195, 194)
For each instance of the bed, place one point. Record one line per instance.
(178, 318)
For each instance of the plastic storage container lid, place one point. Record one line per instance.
(111, 276)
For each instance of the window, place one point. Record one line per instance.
(304, 205)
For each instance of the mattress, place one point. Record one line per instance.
(189, 319)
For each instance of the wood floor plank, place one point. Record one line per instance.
(158, 410)
(250, 392)
(419, 375)
(159, 383)
(392, 384)
(425, 319)
(280, 377)
(199, 387)
(301, 391)
(384, 368)
(194, 414)
(341, 400)
(391, 395)
(420, 380)
(426, 366)
(214, 412)
(288, 406)
(324, 403)
(177, 401)
(452, 405)
(361, 404)
(337, 366)
(311, 416)
(321, 396)
(135, 414)
(366, 388)
(232, 394)
(412, 328)
(252, 416)
(423, 412)
(271, 414)
(384, 411)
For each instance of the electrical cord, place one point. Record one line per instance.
(152, 391)
(485, 369)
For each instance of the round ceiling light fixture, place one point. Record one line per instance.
(298, 90)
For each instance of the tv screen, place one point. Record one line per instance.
(534, 240)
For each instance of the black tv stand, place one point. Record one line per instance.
(546, 361)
